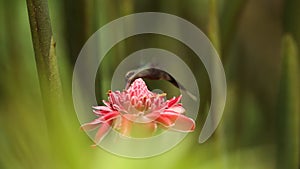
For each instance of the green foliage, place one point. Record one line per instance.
(288, 117)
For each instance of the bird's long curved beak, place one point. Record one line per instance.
(127, 85)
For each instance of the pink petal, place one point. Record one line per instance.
(92, 125)
(110, 116)
(164, 121)
(153, 115)
(106, 103)
(181, 122)
(184, 124)
(87, 127)
(113, 98)
(174, 101)
(102, 131)
(170, 115)
(175, 109)
(102, 108)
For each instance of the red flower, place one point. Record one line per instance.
(141, 108)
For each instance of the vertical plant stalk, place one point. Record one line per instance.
(291, 22)
(50, 85)
(231, 14)
(213, 28)
(214, 36)
(288, 116)
(48, 74)
(77, 26)
(45, 56)
(213, 25)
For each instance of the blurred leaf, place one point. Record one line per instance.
(229, 17)
(213, 25)
(291, 19)
(288, 107)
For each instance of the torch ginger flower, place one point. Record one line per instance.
(138, 105)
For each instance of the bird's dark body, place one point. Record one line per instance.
(151, 74)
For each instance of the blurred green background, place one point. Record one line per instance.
(258, 42)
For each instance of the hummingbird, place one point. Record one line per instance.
(153, 73)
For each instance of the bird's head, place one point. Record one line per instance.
(129, 77)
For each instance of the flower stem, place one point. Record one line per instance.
(44, 49)
(47, 69)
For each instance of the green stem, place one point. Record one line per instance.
(213, 25)
(44, 49)
(230, 16)
(77, 26)
(288, 107)
(48, 74)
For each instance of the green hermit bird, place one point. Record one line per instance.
(153, 73)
